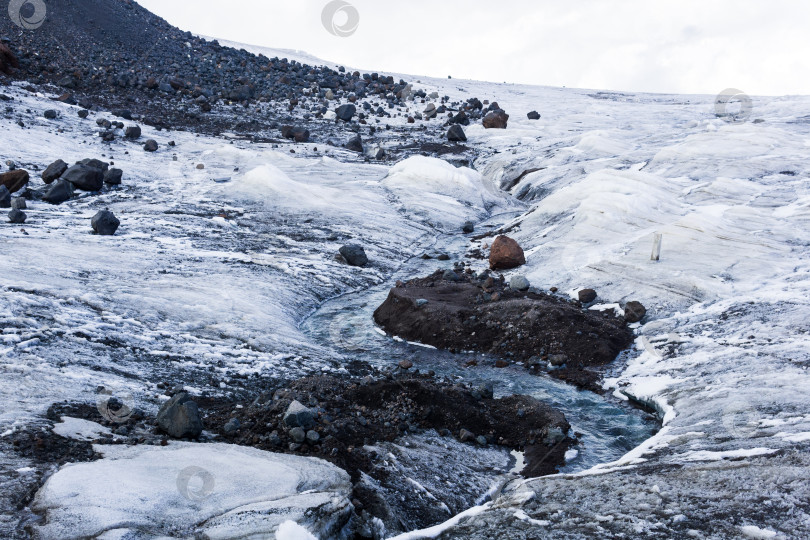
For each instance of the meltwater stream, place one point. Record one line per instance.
(608, 427)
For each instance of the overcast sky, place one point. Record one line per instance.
(684, 46)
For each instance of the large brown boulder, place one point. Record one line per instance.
(14, 180)
(505, 254)
(496, 119)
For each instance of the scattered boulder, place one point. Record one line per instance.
(126, 114)
(460, 118)
(634, 311)
(132, 132)
(376, 152)
(456, 134)
(17, 216)
(113, 176)
(346, 112)
(180, 417)
(14, 180)
(50, 114)
(59, 192)
(83, 113)
(355, 255)
(519, 283)
(297, 415)
(465, 435)
(355, 144)
(151, 145)
(96, 163)
(105, 223)
(18, 203)
(296, 133)
(469, 227)
(405, 364)
(232, 426)
(54, 170)
(298, 435)
(5, 197)
(586, 296)
(496, 119)
(505, 254)
(85, 177)
(534, 115)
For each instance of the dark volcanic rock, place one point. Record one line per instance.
(346, 112)
(54, 171)
(297, 415)
(5, 197)
(534, 115)
(355, 144)
(456, 134)
(355, 255)
(180, 417)
(296, 133)
(586, 296)
(460, 118)
(466, 314)
(59, 192)
(132, 132)
(496, 119)
(105, 223)
(113, 176)
(469, 227)
(151, 145)
(634, 311)
(18, 203)
(85, 177)
(95, 163)
(505, 253)
(16, 216)
(14, 180)
(50, 114)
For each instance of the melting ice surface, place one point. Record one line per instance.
(609, 428)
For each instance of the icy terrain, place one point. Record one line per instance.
(213, 269)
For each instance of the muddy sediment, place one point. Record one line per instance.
(461, 312)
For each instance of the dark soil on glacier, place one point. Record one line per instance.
(462, 312)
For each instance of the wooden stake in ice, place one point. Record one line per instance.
(656, 252)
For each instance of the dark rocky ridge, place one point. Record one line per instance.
(116, 55)
(459, 312)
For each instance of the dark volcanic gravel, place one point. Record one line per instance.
(459, 312)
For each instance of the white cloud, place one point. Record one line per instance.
(684, 46)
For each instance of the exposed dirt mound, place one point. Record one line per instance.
(353, 413)
(459, 312)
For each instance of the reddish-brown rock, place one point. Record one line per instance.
(505, 254)
(496, 119)
(14, 180)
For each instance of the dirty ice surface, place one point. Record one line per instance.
(207, 281)
(187, 489)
